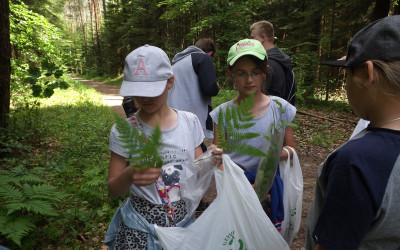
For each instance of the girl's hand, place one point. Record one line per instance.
(217, 155)
(143, 177)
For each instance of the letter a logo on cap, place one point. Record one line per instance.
(141, 68)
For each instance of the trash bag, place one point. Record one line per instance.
(292, 178)
(234, 220)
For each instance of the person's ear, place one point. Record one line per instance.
(370, 74)
(263, 38)
(170, 82)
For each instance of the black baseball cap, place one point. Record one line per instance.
(379, 40)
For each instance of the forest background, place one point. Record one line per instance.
(43, 40)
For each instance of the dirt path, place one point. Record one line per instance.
(310, 156)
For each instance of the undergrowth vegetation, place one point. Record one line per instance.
(53, 167)
(54, 162)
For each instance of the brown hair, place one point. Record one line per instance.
(264, 28)
(206, 45)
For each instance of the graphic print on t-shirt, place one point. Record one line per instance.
(171, 175)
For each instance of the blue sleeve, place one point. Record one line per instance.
(204, 68)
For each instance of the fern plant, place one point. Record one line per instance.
(238, 117)
(143, 151)
(24, 199)
(269, 164)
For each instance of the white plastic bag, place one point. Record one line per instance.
(234, 220)
(292, 178)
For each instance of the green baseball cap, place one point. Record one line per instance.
(246, 47)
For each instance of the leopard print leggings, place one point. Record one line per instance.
(128, 238)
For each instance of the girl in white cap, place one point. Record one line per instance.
(248, 69)
(155, 192)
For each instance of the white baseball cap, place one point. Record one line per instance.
(146, 72)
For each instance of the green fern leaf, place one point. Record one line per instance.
(8, 192)
(16, 227)
(241, 148)
(280, 106)
(246, 114)
(143, 151)
(291, 124)
(41, 207)
(244, 136)
(13, 206)
(221, 141)
(43, 192)
(6, 177)
(30, 178)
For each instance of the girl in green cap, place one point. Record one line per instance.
(248, 70)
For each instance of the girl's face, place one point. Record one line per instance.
(247, 76)
(153, 104)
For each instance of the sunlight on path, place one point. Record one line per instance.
(110, 93)
(112, 100)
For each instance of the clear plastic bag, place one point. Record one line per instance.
(234, 220)
(198, 177)
(292, 178)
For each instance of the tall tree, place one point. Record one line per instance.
(5, 67)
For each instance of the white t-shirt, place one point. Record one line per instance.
(178, 150)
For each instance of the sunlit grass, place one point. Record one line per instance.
(64, 140)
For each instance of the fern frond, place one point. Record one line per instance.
(16, 227)
(128, 134)
(291, 124)
(95, 177)
(244, 136)
(6, 177)
(8, 192)
(150, 149)
(41, 207)
(221, 139)
(282, 110)
(228, 121)
(30, 178)
(43, 192)
(143, 151)
(241, 148)
(245, 108)
(13, 206)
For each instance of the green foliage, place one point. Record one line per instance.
(143, 150)
(237, 117)
(56, 146)
(24, 200)
(32, 37)
(44, 83)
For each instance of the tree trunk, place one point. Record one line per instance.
(327, 85)
(83, 24)
(381, 9)
(96, 10)
(5, 66)
(104, 9)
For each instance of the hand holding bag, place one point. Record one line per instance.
(292, 178)
(234, 220)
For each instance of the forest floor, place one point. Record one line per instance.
(310, 155)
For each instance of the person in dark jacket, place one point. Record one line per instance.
(195, 82)
(278, 61)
